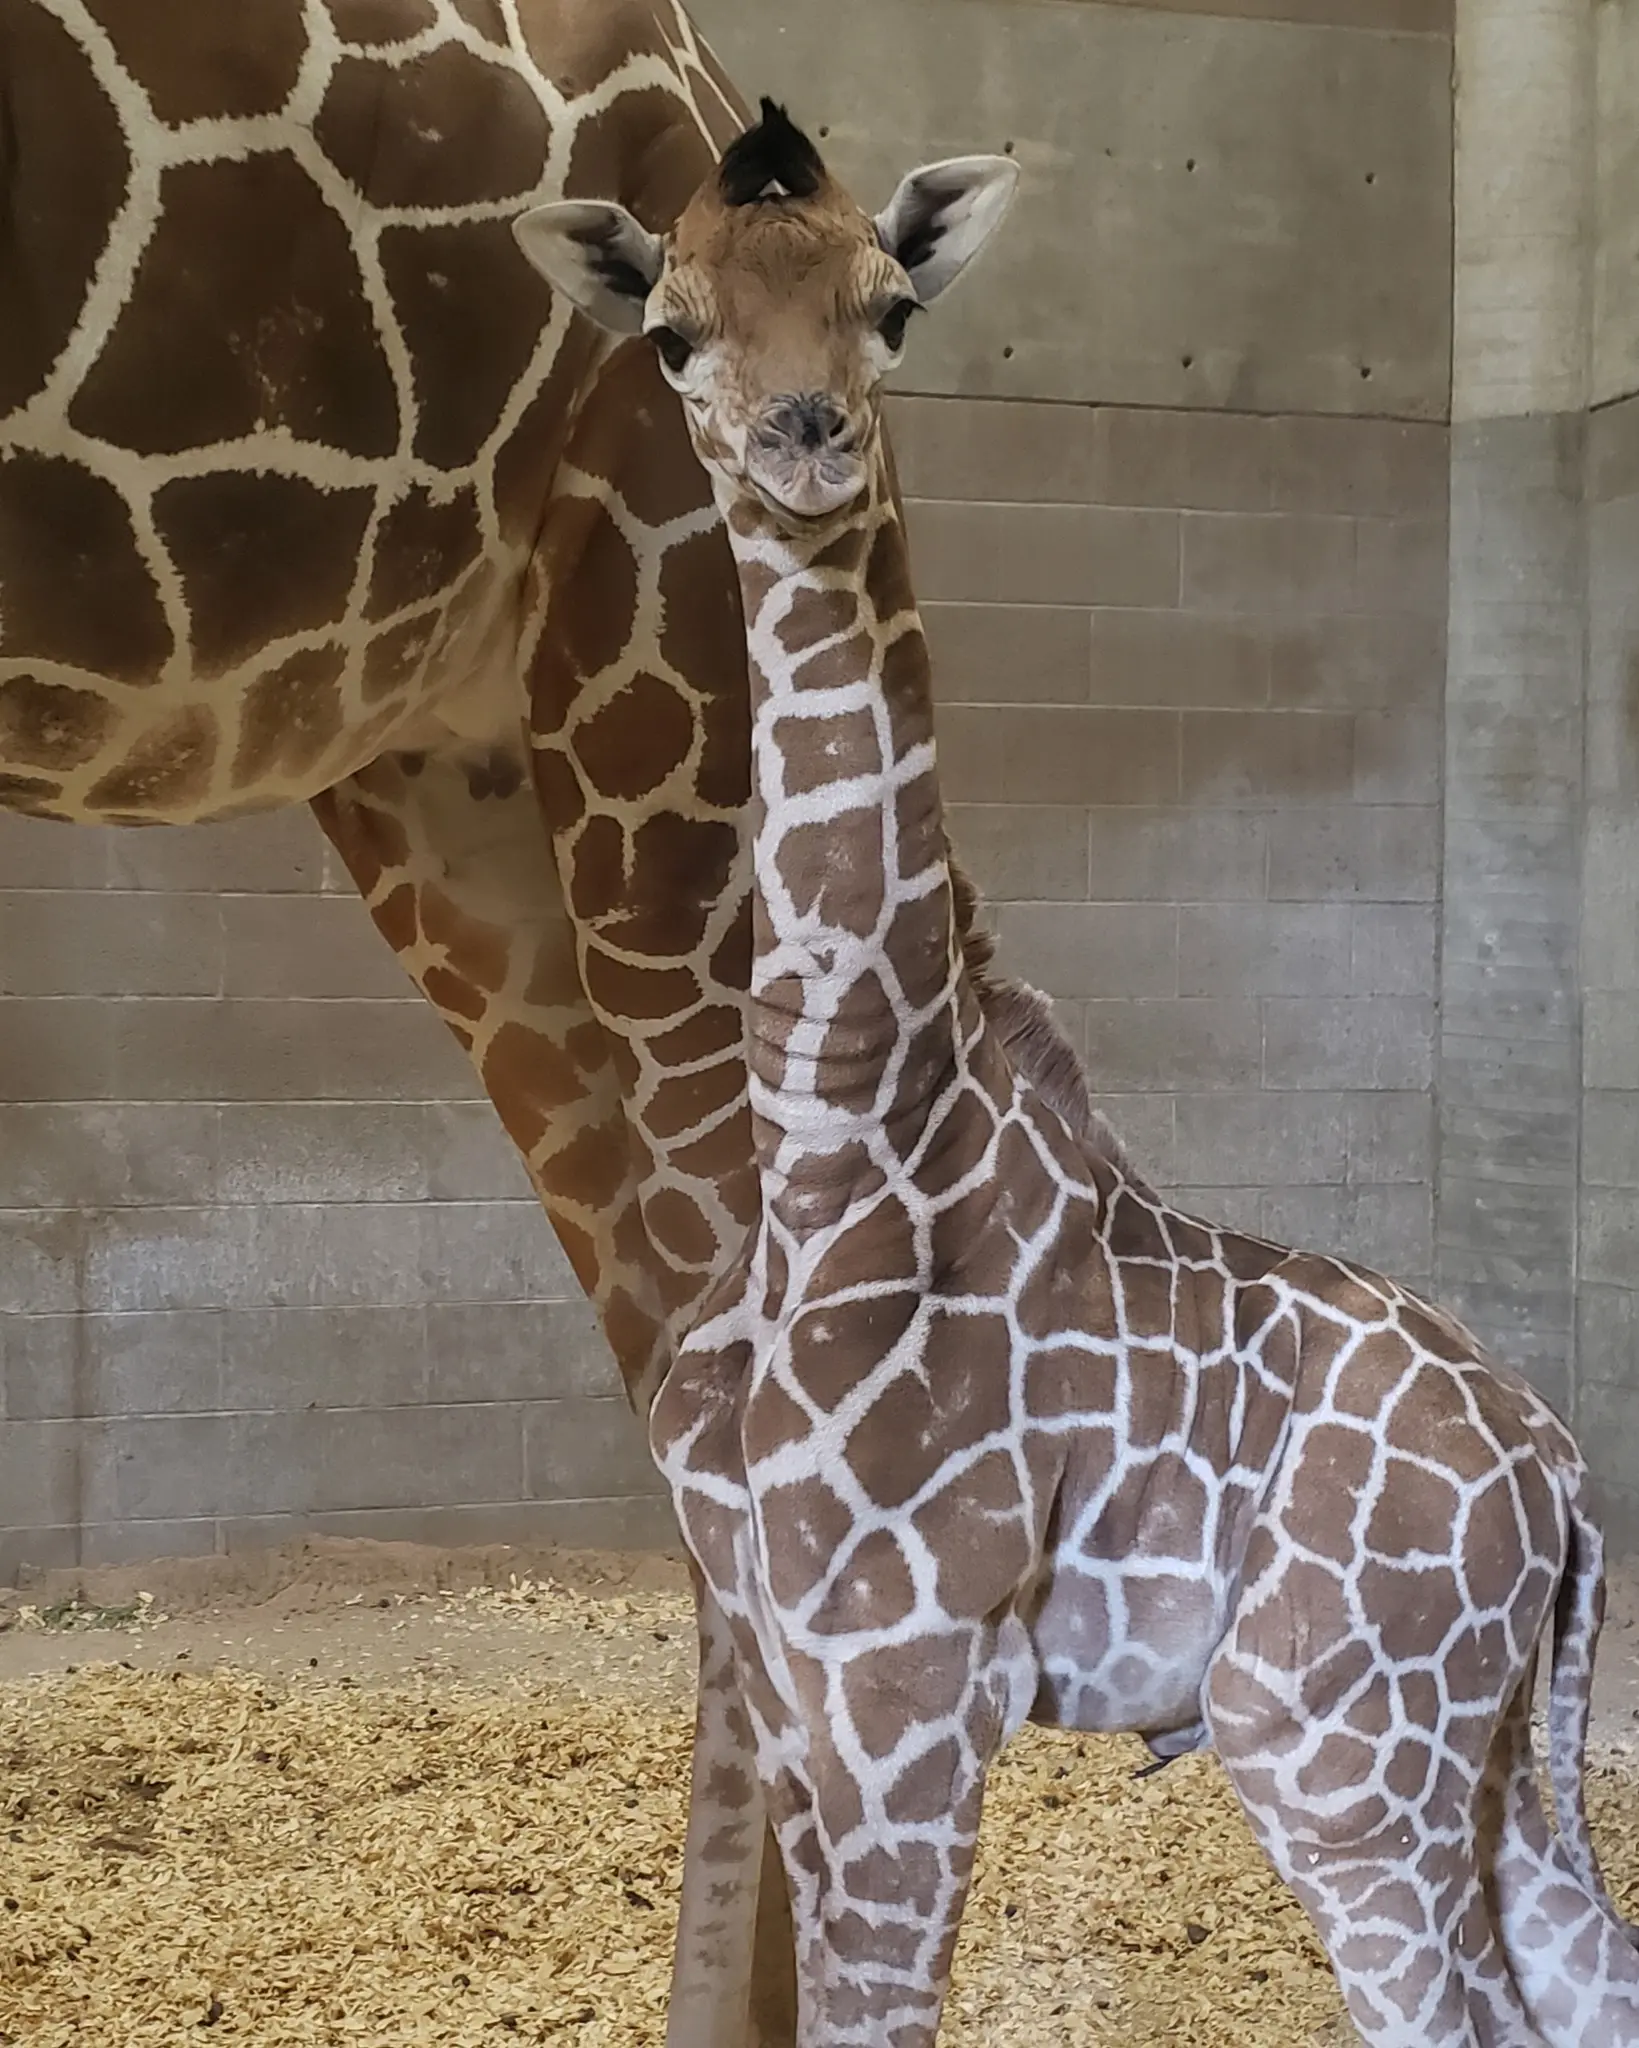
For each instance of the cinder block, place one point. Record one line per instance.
(24, 1551)
(62, 1366)
(1391, 1229)
(277, 851)
(1390, 468)
(1607, 1343)
(1146, 1126)
(1610, 1141)
(376, 1152)
(158, 1467)
(1391, 1137)
(1510, 1138)
(1610, 900)
(1608, 1245)
(1358, 1042)
(42, 853)
(1022, 852)
(1267, 562)
(492, 1251)
(106, 1155)
(1403, 567)
(60, 1050)
(1008, 653)
(1377, 854)
(1092, 949)
(1394, 949)
(1607, 1427)
(1197, 460)
(1309, 1219)
(1516, 1237)
(1359, 661)
(261, 1051)
(1043, 554)
(111, 1543)
(316, 946)
(1177, 855)
(996, 449)
(578, 1449)
(628, 1522)
(1168, 657)
(1613, 452)
(1056, 754)
(291, 1360)
(1225, 1208)
(109, 943)
(43, 1255)
(1172, 1045)
(1398, 757)
(1252, 949)
(1296, 757)
(421, 1457)
(1255, 1139)
(517, 1351)
(40, 1475)
(1611, 1041)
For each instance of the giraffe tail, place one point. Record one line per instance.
(1579, 1613)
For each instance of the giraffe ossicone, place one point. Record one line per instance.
(978, 1427)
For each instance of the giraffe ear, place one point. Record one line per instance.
(942, 216)
(597, 255)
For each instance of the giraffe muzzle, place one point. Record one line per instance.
(804, 456)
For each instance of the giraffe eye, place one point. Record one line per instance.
(892, 325)
(674, 350)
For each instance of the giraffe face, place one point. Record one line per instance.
(776, 306)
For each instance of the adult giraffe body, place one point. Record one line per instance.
(312, 491)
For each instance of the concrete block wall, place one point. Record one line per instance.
(1608, 1263)
(1190, 669)
(1176, 468)
(267, 1262)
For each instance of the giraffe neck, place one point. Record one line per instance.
(857, 1012)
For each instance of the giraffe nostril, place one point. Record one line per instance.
(812, 421)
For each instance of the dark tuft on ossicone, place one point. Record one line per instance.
(774, 153)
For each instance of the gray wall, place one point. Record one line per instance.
(1178, 473)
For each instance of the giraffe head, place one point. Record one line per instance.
(776, 306)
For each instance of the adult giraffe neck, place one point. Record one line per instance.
(857, 1012)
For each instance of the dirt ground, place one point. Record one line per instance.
(351, 1792)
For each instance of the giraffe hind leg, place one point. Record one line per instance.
(1394, 1888)
(1571, 1956)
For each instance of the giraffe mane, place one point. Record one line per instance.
(1022, 1018)
(775, 154)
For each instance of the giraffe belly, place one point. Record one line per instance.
(1125, 1651)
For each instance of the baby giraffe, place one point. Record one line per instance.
(980, 1429)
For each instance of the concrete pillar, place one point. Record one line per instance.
(1509, 1065)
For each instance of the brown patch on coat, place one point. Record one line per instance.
(261, 557)
(291, 716)
(422, 548)
(199, 62)
(168, 770)
(465, 367)
(269, 330)
(49, 725)
(585, 556)
(445, 129)
(637, 739)
(73, 586)
(63, 163)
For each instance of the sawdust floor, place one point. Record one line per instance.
(364, 1793)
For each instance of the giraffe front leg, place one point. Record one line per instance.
(878, 1821)
(452, 858)
(732, 1970)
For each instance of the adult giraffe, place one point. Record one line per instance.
(311, 491)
